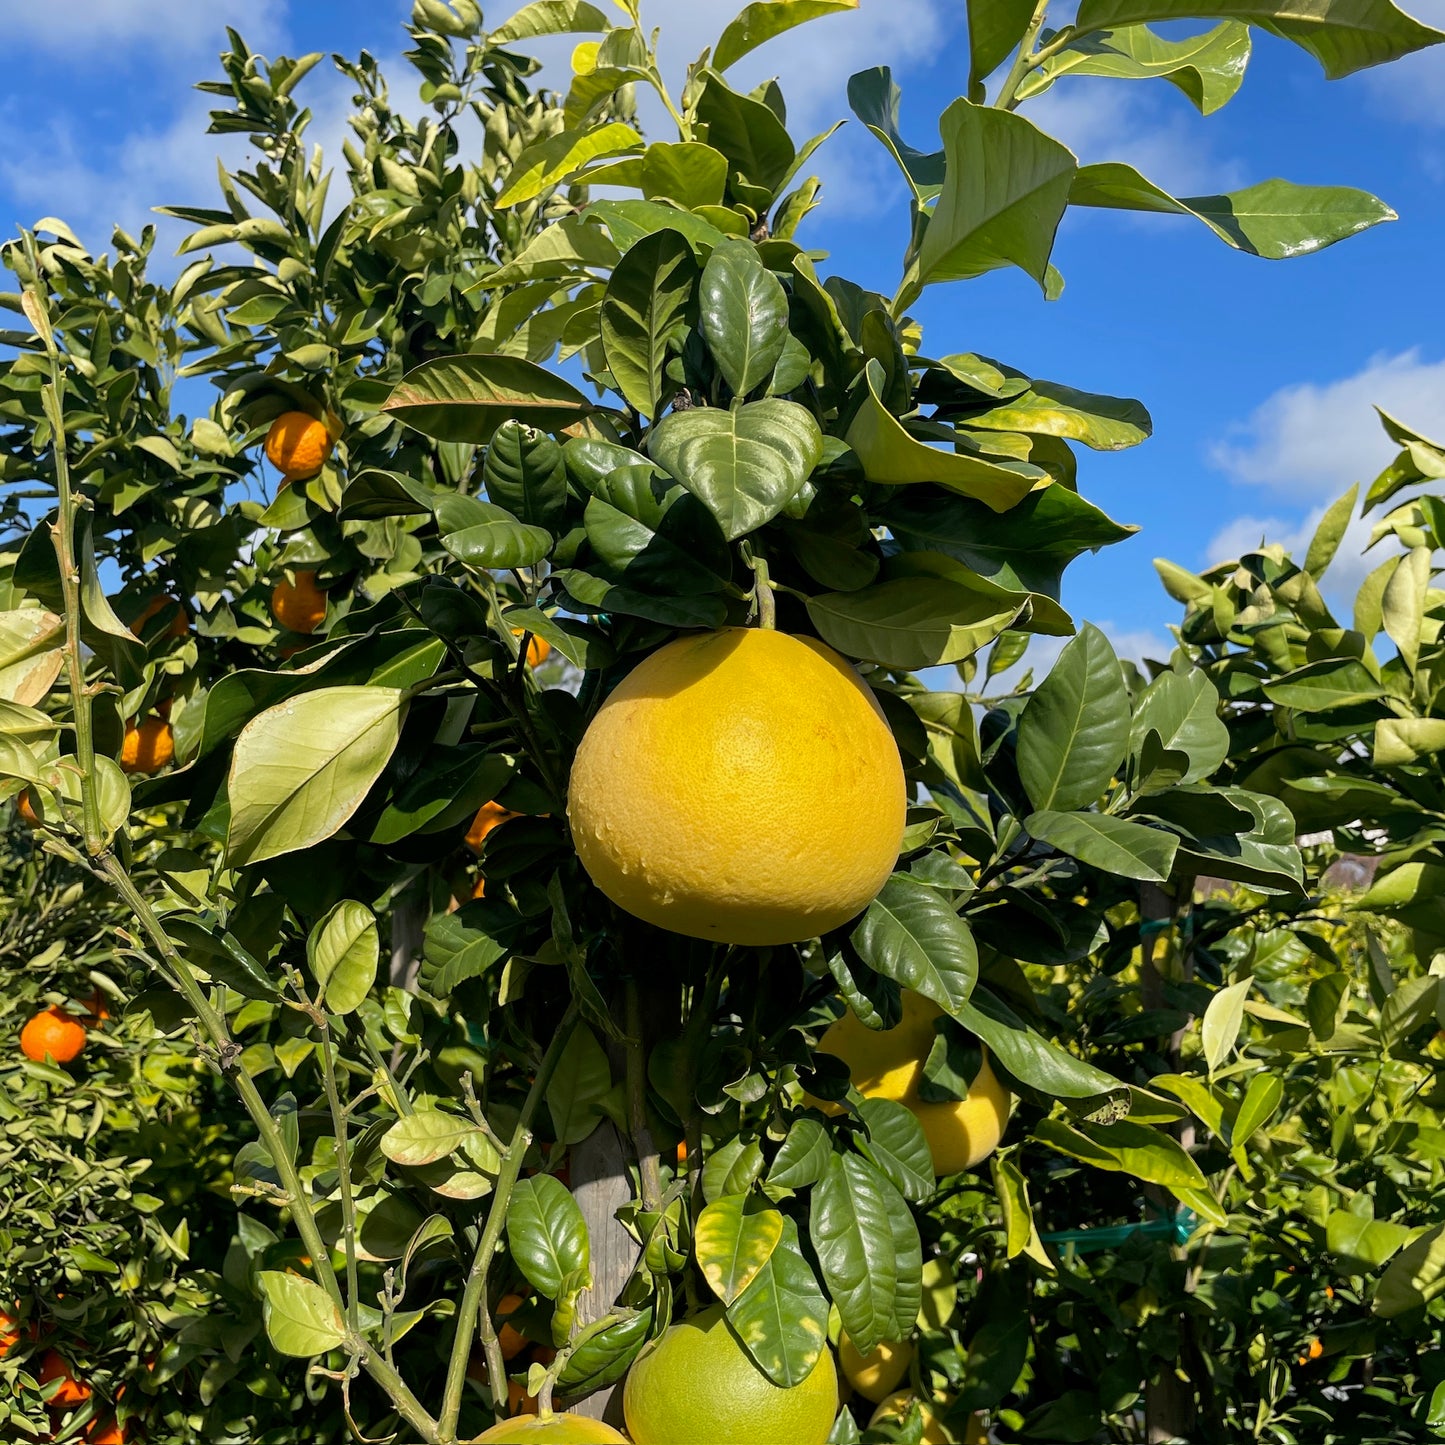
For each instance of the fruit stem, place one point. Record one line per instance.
(476, 1287)
(763, 594)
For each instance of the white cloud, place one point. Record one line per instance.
(1108, 120)
(95, 28)
(1312, 440)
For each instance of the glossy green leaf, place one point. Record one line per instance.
(755, 142)
(1362, 1242)
(889, 455)
(301, 769)
(1105, 423)
(1073, 733)
(995, 29)
(547, 1234)
(852, 1235)
(1004, 193)
(803, 1156)
(744, 465)
(897, 1145)
(1184, 711)
(733, 1244)
(598, 594)
(1125, 1147)
(1330, 533)
(1261, 1099)
(645, 314)
(523, 472)
(582, 1080)
(666, 544)
(302, 1320)
(549, 17)
(1415, 1276)
(744, 315)
(1208, 68)
(466, 398)
(1274, 219)
(602, 1352)
(912, 935)
(875, 99)
(763, 19)
(556, 159)
(690, 173)
(1028, 1056)
(782, 1316)
(1403, 604)
(343, 951)
(1112, 845)
(1322, 686)
(1400, 740)
(486, 536)
(1343, 35)
(1020, 1232)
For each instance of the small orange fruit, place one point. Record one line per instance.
(30, 808)
(489, 816)
(9, 1334)
(682, 1153)
(297, 445)
(106, 1432)
(512, 1341)
(299, 606)
(71, 1391)
(147, 748)
(52, 1031)
(479, 888)
(1312, 1351)
(538, 649)
(178, 626)
(95, 1008)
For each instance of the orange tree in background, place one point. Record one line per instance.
(760, 451)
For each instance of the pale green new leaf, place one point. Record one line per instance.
(302, 768)
(1343, 35)
(732, 1244)
(782, 1316)
(1261, 1100)
(343, 951)
(554, 160)
(549, 17)
(1402, 607)
(1330, 533)
(302, 1320)
(1208, 68)
(763, 19)
(1275, 219)
(1219, 1030)
(1105, 423)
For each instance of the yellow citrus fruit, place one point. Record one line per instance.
(554, 1430)
(698, 1383)
(895, 1407)
(299, 606)
(147, 748)
(888, 1064)
(877, 1375)
(176, 627)
(297, 445)
(52, 1031)
(740, 786)
(538, 649)
(489, 815)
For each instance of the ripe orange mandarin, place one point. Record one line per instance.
(178, 625)
(299, 606)
(297, 445)
(489, 815)
(512, 1340)
(71, 1391)
(30, 808)
(52, 1032)
(538, 648)
(106, 1432)
(147, 748)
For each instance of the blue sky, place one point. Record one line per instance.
(1260, 376)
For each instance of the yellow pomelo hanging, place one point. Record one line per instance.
(877, 1375)
(740, 786)
(888, 1064)
(697, 1385)
(895, 1408)
(554, 1430)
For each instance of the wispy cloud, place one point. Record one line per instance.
(1313, 440)
(1413, 89)
(97, 29)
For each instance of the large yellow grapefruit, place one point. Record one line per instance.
(698, 1384)
(554, 1430)
(740, 786)
(877, 1375)
(888, 1063)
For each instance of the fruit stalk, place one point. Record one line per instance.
(476, 1286)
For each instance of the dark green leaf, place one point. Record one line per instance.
(466, 398)
(645, 315)
(911, 934)
(744, 315)
(547, 1234)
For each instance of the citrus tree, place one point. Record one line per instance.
(764, 934)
